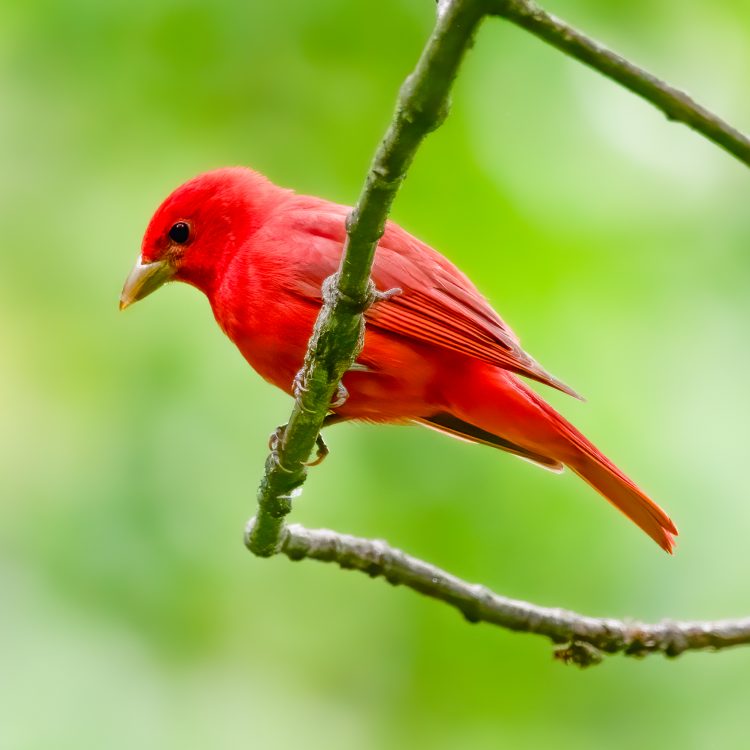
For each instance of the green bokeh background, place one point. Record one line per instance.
(614, 242)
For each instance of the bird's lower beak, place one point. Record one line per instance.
(144, 279)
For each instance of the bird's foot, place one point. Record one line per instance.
(275, 441)
(275, 438)
(341, 395)
(321, 452)
(299, 389)
(378, 296)
(332, 294)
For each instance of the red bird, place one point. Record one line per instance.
(436, 354)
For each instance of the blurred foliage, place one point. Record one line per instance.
(130, 447)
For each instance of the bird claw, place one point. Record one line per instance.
(298, 385)
(274, 443)
(331, 294)
(379, 296)
(275, 438)
(299, 388)
(340, 398)
(321, 452)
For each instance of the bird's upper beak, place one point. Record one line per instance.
(144, 279)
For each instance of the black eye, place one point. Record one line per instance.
(179, 233)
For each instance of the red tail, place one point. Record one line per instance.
(625, 495)
(594, 467)
(521, 422)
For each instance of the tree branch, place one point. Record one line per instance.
(339, 330)
(585, 637)
(675, 104)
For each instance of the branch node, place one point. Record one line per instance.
(676, 642)
(381, 178)
(640, 643)
(580, 653)
(374, 569)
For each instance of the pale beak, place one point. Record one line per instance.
(144, 279)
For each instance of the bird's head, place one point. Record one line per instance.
(196, 230)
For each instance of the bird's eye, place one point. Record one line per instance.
(179, 233)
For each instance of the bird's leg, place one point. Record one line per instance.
(275, 438)
(341, 395)
(378, 296)
(299, 387)
(274, 442)
(322, 446)
(321, 452)
(332, 294)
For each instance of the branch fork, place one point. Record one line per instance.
(339, 330)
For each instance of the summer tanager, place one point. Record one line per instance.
(435, 354)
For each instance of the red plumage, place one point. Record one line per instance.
(435, 354)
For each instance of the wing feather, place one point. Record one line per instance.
(438, 305)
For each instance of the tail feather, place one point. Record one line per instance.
(627, 497)
(609, 481)
(509, 415)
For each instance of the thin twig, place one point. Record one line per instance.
(584, 637)
(676, 104)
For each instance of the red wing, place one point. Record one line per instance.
(437, 305)
(436, 319)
